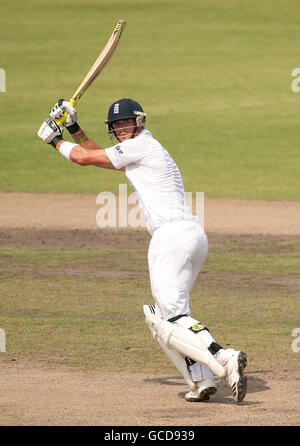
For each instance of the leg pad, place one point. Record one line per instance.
(183, 341)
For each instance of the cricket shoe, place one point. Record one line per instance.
(236, 378)
(205, 389)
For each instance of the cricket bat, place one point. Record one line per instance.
(97, 67)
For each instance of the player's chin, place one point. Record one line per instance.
(122, 138)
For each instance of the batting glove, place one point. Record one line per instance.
(50, 132)
(58, 111)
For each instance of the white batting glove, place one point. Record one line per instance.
(58, 110)
(50, 132)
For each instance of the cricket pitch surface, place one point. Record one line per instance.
(34, 395)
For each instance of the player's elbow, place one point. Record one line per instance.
(79, 158)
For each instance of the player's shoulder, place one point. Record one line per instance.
(143, 140)
(144, 136)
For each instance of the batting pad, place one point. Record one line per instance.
(183, 341)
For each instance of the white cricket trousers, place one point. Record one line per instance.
(176, 253)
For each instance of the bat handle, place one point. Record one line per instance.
(61, 120)
(73, 101)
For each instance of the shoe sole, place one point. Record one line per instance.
(204, 395)
(241, 385)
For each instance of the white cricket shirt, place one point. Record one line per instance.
(155, 177)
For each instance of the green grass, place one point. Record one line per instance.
(82, 308)
(265, 264)
(214, 78)
(105, 259)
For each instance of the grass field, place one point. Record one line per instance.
(81, 307)
(214, 78)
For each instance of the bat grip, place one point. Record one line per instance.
(61, 120)
(73, 101)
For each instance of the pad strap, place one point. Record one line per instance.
(214, 348)
(175, 318)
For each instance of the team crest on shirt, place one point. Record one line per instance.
(118, 150)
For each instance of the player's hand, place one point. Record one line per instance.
(60, 108)
(50, 132)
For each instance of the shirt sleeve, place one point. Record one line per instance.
(126, 152)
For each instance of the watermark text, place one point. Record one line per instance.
(296, 82)
(123, 210)
(296, 342)
(2, 341)
(2, 80)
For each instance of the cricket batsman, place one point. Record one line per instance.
(178, 245)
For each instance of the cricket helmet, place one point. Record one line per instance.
(125, 109)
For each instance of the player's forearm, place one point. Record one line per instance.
(80, 138)
(79, 154)
(86, 157)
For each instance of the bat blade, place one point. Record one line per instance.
(101, 61)
(97, 67)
